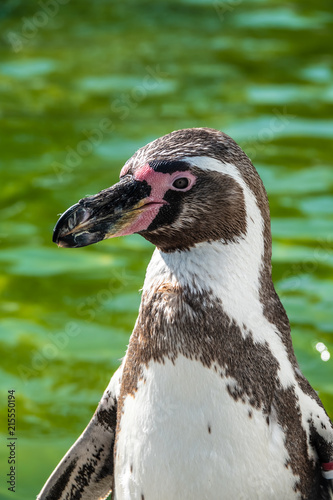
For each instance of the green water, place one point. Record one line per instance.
(82, 87)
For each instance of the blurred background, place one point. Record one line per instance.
(83, 84)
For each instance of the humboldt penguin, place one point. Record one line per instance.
(209, 401)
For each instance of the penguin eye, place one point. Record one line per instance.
(181, 183)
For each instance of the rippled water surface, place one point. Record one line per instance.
(83, 85)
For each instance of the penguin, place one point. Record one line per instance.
(209, 401)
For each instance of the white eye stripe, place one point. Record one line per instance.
(212, 164)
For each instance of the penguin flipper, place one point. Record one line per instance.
(86, 471)
(322, 440)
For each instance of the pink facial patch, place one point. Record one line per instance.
(156, 180)
(142, 221)
(160, 183)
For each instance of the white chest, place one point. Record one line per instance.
(184, 437)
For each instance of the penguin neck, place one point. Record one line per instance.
(216, 280)
(212, 291)
(229, 273)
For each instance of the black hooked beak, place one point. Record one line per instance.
(103, 215)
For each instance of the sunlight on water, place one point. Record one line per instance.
(324, 353)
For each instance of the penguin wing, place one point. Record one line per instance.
(86, 471)
(321, 439)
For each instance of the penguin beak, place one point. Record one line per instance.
(104, 215)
